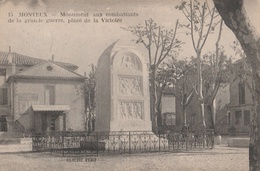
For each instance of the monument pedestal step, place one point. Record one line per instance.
(125, 141)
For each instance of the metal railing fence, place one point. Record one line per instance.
(96, 143)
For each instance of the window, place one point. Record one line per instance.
(2, 72)
(228, 117)
(241, 91)
(238, 120)
(49, 68)
(193, 119)
(2, 75)
(49, 95)
(3, 124)
(247, 117)
(3, 96)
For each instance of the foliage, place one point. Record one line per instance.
(215, 75)
(244, 71)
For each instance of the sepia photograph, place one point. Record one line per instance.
(130, 85)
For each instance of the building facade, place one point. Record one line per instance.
(233, 104)
(168, 110)
(193, 111)
(241, 101)
(39, 95)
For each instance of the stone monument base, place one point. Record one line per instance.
(130, 125)
(117, 141)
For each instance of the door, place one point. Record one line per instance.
(53, 124)
(49, 122)
(44, 122)
(3, 124)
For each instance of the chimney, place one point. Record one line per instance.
(10, 56)
(85, 74)
(10, 61)
(52, 58)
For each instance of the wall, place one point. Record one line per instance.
(235, 106)
(168, 103)
(30, 92)
(222, 102)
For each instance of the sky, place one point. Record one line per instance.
(83, 43)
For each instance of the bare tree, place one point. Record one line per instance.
(90, 100)
(235, 17)
(160, 43)
(175, 73)
(165, 77)
(201, 20)
(216, 73)
(184, 93)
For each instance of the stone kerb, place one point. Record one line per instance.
(238, 142)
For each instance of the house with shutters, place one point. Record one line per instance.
(241, 102)
(39, 95)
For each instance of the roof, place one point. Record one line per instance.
(48, 70)
(50, 107)
(24, 60)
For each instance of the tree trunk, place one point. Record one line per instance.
(159, 107)
(210, 109)
(184, 106)
(235, 17)
(200, 92)
(153, 100)
(184, 114)
(89, 121)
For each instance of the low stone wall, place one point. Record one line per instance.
(238, 142)
(6, 141)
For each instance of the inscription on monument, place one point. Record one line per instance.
(130, 110)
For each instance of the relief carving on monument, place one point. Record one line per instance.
(130, 110)
(130, 62)
(130, 85)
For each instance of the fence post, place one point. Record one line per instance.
(159, 142)
(33, 142)
(203, 135)
(97, 143)
(187, 139)
(129, 141)
(62, 135)
(212, 139)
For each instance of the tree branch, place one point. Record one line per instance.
(191, 23)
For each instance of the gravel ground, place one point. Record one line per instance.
(221, 158)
